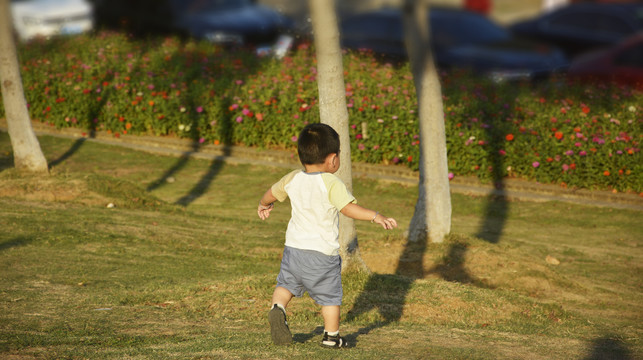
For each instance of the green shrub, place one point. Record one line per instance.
(556, 132)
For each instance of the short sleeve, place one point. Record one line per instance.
(279, 188)
(338, 194)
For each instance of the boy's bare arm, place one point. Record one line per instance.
(358, 212)
(266, 204)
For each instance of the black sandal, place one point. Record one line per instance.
(334, 342)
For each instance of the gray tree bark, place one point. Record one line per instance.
(432, 217)
(27, 154)
(333, 111)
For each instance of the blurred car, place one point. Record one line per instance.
(622, 63)
(231, 21)
(580, 27)
(46, 18)
(460, 39)
(228, 22)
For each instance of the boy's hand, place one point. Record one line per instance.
(264, 210)
(386, 222)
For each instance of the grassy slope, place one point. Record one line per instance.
(184, 269)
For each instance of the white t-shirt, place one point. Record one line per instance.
(316, 199)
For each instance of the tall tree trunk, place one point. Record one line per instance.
(432, 217)
(27, 154)
(333, 111)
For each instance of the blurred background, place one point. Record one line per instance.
(502, 39)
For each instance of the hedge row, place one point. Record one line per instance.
(585, 136)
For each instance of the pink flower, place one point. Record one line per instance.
(294, 138)
(199, 109)
(502, 152)
(361, 147)
(239, 119)
(201, 140)
(358, 136)
(451, 176)
(535, 164)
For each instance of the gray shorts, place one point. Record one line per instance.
(312, 271)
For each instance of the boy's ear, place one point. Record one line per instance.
(330, 159)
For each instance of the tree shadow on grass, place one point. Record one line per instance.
(222, 124)
(609, 347)
(15, 242)
(206, 180)
(6, 161)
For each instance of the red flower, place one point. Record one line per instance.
(585, 109)
(509, 137)
(558, 135)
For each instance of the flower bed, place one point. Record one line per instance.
(556, 132)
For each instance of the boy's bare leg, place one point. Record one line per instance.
(281, 296)
(331, 318)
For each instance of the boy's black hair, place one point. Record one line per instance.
(316, 142)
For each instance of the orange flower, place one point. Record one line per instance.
(216, 142)
(128, 126)
(558, 135)
(509, 137)
(606, 173)
(151, 103)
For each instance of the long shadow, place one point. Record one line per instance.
(224, 126)
(6, 161)
(15, 242)
(608, 347)
(497, 206)
(204, 183)
(387, 293)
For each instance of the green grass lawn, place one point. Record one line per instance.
(181, 267)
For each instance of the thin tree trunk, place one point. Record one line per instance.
(432, 217)
(27, 154)
(333, 111)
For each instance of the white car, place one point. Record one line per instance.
(47, 18)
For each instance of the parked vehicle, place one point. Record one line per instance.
(581, 27)
(459, 39)
(46, 18)
(229, 22)
(622, 63)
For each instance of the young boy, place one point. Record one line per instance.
(311, 260)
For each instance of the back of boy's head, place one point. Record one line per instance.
(316, 142)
